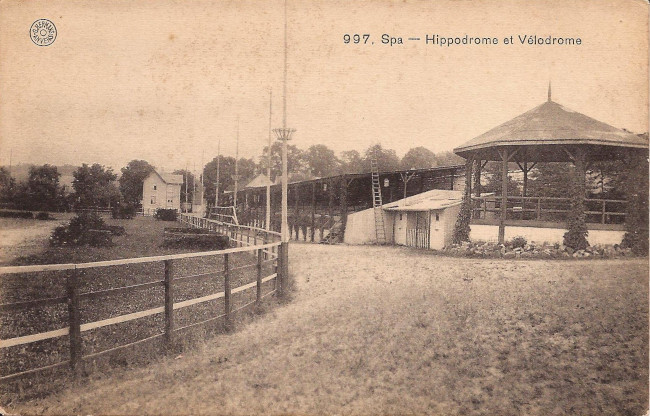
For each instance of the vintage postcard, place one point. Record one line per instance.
(324, 207)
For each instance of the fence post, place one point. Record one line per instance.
(283, 267)
(226, 288)
(74, 321)
(169, 305)
(258, 299)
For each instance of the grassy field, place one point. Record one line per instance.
(144, 237)
(385, 330)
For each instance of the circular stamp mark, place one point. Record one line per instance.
(42, 32)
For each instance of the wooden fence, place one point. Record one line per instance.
(265, 247)
(533, 208)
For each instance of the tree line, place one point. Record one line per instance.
(98, 186)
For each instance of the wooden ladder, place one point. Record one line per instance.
(380, 231)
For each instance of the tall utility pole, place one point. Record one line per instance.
(268, 167)
(185, 174)
(193, 183)
(216, 190)
(284, 134)
(236, 176)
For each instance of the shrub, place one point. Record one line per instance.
(43, 216)
(519, 241)
(166, 214)
(87, 228)
(115, 229)
(16, 214)
(124, 212)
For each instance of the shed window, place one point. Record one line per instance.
(324, 187)
(400, 216)
(386, 183)
(153, 200)
(437, 216)
(155, 187)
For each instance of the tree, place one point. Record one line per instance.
(492, 174)
(189, 180)
(42, 191)
(448, 159)
(418, 158)
(295, 159)
(387, 159)
(321, 161)
(351, 162)
(246, 167)
(133, 175)
(551, 179)
(7, 185)
(93, 186)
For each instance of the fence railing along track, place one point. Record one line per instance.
(264, 246)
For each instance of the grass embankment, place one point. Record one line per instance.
(144, 237)
(384, 330)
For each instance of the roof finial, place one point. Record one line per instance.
(549, 91)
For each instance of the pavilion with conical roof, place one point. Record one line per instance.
(549, 132)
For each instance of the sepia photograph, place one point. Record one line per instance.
(283, 207)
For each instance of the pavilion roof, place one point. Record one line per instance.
(542, 131)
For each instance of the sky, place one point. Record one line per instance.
(164, 81)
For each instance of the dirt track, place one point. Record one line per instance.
(385, 330)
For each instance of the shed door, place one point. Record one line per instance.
(400, 228)
(437, 241)
(417, 232)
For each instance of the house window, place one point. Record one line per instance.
(400, 216)
(386, 183)
(437, 216)
(153, 200)
(154, 187)
(324, 187)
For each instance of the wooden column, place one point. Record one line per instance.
(504, 194)
(525, 189)
(296, 222)
(344, 204)
(477, 177)
(469, 164)
(330, 206)
(313, 211)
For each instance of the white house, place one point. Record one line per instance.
(424, 220)
(161, 190)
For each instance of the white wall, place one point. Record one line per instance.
(360, 228)
(162, 196)
(540, 235)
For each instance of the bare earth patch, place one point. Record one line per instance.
(385, 330)
(22, 237)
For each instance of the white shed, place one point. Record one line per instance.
(424, 220)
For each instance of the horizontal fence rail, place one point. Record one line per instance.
(603, 211)
(263, 248)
